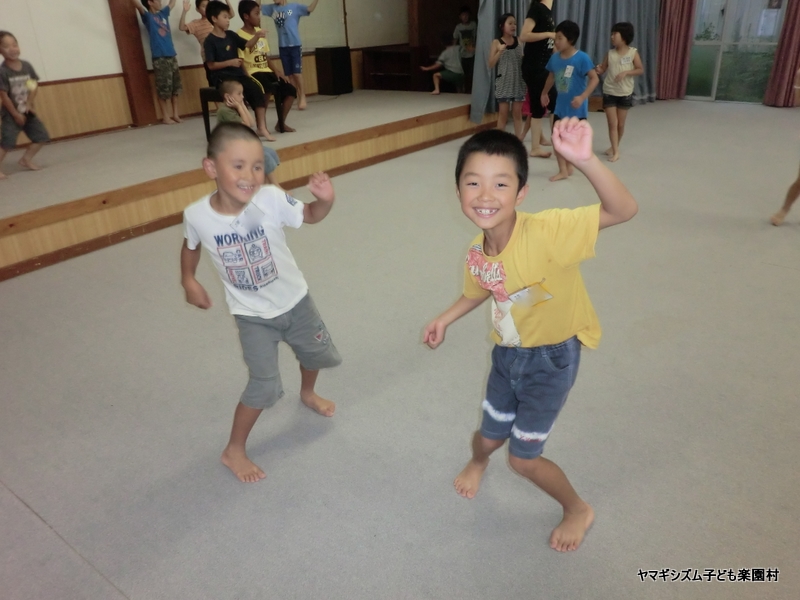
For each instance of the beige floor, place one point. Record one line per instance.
(92, 165)
(683, 429)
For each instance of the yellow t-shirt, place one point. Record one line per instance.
(256, 59)
(538, 295)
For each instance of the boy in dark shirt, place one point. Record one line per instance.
(222, 59)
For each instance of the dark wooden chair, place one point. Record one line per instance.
(207, 96)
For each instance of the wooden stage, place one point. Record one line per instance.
(392, 124)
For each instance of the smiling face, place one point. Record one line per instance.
(489, 191)
(9, 48)
(239, 172)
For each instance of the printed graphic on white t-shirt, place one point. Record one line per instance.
(248, 260)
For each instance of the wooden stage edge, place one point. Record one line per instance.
(44, 237)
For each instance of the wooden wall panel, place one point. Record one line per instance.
(357, 66)
(86, 106)
(193, 78)
(82, 106)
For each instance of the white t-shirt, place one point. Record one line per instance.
(260, 274)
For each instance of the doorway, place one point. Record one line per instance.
(734, 48)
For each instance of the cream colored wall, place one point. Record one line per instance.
(377, 22)
(63, 40)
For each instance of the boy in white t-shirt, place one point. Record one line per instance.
(621, 65)
(241, 227)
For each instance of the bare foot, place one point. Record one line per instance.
(469, 480)
(570, 169)
(613, 158)
(241, 466)
(287, 129)
(3, 176)
(539, 153)
(177, 119)
(302, 105)
(778, 217)
(435, 93)
(167, 121)
(573, 527)
(29, 164)
(319, 404)
(266, 135)
(609, 152)
(559, 176)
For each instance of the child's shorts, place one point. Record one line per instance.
(452, 77)
(271, 160)
(520, 99)
(302, 328)
(526, 390)
(291, 59)
(623, 102)
(168, 77)
(33, 128)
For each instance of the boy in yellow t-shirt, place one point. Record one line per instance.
(529, 265)
(257, 63)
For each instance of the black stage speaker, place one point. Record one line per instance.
(334, 73)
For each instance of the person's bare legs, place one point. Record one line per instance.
(613, 133)
(27, 158)
(565, 169)
(516, 111)
(469, 480)
(261, 123)
(437, 77)
(3, 153)
(778, 217)
(287, 106)
(502, 116)
(536, 136)
(234, 456)
(578, 515)
(297, 81)
(175, 116)
(165, 112)
(310, 398)
(526, 127)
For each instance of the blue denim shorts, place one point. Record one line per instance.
(291, 59)
(527, 389)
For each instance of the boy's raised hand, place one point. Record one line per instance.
(572, 138)
(186, 5)
(320, 185)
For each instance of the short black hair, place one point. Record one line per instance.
(226, 86)
(465, 9)
(197, 4)
(502, 21)
(146, 4)
(214, 8)
(226, 132)
(246, 7)
(625, 30)
(495, 143)
(570, 30)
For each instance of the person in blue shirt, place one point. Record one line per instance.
(573, 74)
(287, 18)
(165, 65)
